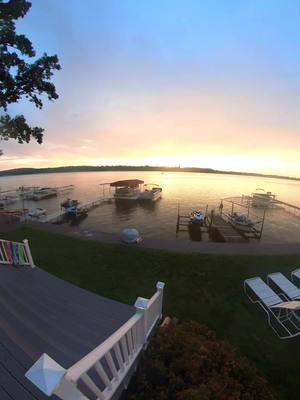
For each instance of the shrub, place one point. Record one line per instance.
(185, 361)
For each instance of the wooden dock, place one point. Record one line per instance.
(221, 230)
(58, 215)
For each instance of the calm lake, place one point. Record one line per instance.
(190, 190)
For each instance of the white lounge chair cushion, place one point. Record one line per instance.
(296, 273)
(285, 285)
(264, 293)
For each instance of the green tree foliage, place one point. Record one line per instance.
(21, 75)
(186, 362)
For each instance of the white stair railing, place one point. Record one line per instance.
(101, 372)
(15, 253)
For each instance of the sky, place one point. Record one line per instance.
(200, 83)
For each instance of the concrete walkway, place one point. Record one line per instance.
(179, 246)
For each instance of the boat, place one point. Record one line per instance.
(75, 215)
(241, 222)
(151, 192)
(129, 189)
(262, 199)
(7, 200)
(43, 193)
(196, 218)
(19, 211)
(37, 212)
(195, 224)
(26, 192)
(69, 203)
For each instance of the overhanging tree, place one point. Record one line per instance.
(21, 74)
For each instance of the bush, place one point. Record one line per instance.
(186, 362)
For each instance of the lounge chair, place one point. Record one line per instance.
(281, 314)
(295, 274)
(284, 285)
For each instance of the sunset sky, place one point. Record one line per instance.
(207, 83)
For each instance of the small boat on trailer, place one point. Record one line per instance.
(128, 189)
(151, 192)
(241, 222)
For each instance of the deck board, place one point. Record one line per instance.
(40, 313)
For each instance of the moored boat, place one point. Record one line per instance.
(69, 203)
(37, 212)
(197, 218)
(151, 192)
(241, 222)
(128, 189)
(262, 199)
(43, 193)
(7, 200)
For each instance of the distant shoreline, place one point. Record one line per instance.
(84, 168)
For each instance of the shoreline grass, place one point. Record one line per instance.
(205, 288)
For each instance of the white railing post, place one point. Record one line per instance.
(28, 252)
(49, 377)
(160, 288)
(141, 306)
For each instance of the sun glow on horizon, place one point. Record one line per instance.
(160, 89)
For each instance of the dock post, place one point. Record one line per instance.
(177, 225)
(211, 218)
(262, 225)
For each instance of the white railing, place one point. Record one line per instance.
(101, 372)
(15, 253)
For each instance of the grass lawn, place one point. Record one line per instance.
(206, 288)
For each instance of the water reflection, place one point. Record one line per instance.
(125, 207)
(150, 205)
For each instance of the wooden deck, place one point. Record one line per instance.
(224, 231)
(40, 313)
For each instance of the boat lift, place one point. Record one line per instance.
(232, 203)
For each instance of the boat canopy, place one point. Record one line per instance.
(127, 183)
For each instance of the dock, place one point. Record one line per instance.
(222, 230)
(215, 224)
(183, 221)
(289, 208)
(89, 205)
(63, 189)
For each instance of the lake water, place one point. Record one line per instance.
(158, 220)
